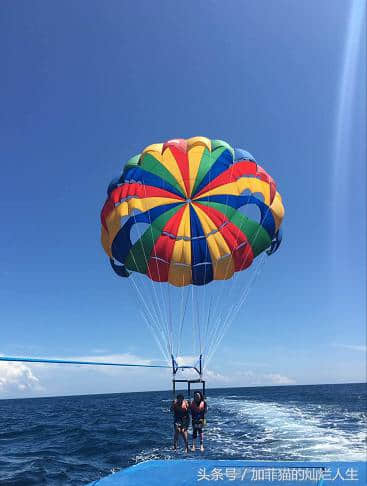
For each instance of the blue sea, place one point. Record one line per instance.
(74, 440)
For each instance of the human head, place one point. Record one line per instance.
(180, 398)
(198, 396)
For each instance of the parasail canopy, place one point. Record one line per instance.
(188, 196)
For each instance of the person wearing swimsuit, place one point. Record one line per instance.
(181, 420)
(198, 409)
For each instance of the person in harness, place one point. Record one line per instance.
(181, 420)
(198, 409)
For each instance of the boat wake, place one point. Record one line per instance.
(266, 430)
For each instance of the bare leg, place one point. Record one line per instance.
(185, 438)
(194, 435)
(201, 435)
(175, 439)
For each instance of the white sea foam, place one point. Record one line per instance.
(264, 430)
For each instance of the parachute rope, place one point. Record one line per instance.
(199, 327)
(153, 324)
(179, 341)
(213, 334)
(193, 313)
(236, 308)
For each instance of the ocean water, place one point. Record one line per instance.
(74, 440)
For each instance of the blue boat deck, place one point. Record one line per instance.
(257, 473)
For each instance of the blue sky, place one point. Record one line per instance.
(86, 85)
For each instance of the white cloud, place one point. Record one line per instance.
(127, 358)
(276, 379)
(352, 347)
(186, 360)
(99, 351)
(17, 378)
(247, 378)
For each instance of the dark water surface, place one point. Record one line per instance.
(73, 440)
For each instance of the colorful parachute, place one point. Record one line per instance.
(190, 194)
